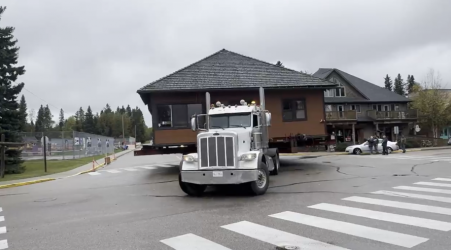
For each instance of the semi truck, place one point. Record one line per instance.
(232, 148)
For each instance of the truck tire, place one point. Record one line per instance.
(276, 161)
(191, 189)
(260, 186)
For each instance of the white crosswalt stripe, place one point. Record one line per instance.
(399, 239)
(2, 230)
(431, 190)
(402, 205)
(417, 196)
(148, 167)
(435, 184)
(2, 218)
(376, 215)
(441, 179)
(131, 169)
(277, 237)
(113, 171)
(3, 244)
(1, 210)
(94, 173)
(192, 242)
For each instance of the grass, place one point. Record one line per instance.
(35, 168)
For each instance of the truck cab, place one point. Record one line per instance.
(232, 148)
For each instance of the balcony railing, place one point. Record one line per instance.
(341, 115)
(393, 115)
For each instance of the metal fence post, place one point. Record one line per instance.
(63, 140)
(73, 144)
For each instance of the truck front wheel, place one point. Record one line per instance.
(191, 189)
(276, 161)
(260, 186)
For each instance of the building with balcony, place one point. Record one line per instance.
(358, 109)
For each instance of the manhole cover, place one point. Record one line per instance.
(287, 248)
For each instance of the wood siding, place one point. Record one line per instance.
(312, 126)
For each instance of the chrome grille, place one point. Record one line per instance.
(217, 151)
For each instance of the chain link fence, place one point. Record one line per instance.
(65, 145)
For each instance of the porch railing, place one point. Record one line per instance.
(393, 115)
(341, 115)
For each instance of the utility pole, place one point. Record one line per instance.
(135, 135)
(123, 131)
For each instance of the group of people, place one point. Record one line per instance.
(373, 142)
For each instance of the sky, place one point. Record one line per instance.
(85, 52)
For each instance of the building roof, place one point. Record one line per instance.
(371, 92)
(228, 70)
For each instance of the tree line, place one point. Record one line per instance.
(106, 122)
(399, 86)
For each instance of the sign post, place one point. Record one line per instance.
(396, 132)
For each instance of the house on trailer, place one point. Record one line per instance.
(364, 109)
(296, 101)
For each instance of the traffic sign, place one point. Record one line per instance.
(396, 130)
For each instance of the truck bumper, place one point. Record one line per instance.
(228, 177)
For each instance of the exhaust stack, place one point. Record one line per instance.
(207, 108)
(262, 98)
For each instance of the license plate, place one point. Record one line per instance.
(217, 173)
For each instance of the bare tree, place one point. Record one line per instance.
(432, 103)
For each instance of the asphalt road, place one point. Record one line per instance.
(325, 203)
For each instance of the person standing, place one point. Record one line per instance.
(371, 144)
(384, 145)
(403, 143)
(376, 143)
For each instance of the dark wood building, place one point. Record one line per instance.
(296, 100)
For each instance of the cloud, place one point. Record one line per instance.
(80, 53)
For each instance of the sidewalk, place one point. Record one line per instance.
(76, 171)
(344, 153)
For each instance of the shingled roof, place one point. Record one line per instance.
(229, 70)
(371, 92)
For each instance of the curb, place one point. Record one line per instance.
(18, 184)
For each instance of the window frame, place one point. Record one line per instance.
(294, 110)
(341, 87)
(157, 116)
(357, 110)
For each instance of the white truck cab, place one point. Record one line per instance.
(232, 145)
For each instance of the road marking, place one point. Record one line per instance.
(2, 218)
(148, 167)
(277, 237)
(403, 205)
(2, 230)
(93, 173)
(130, 169)
(376, 234)
(431, 190)
(377, 215)
(1, 209)
(441, 179)
(192, 242)
(433, 184)
(3, 244)
(418, 196)
(113, 171)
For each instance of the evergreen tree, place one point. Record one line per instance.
(388, 83)
(48, 118)
(61, 120)
(399, 86)
(23, 114)
(129, 110)
(10, 117)
(410, 84)
(279, 64)
(79, 120)
(39, 124)
(88, 125)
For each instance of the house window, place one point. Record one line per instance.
(328, 108)
(329, 93)
(340, 91)
(355, 107)
(294, 110)
(177, 115)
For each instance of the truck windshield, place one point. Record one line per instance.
(230, 120)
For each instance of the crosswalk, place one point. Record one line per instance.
(430, 158)
(131, 169)
(411, 199)
(3, 242)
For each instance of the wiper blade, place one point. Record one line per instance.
(218, 127)
(242, 126)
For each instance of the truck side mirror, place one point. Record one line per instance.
(193, 123)
(268, 119)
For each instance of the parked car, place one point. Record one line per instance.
(364, 148)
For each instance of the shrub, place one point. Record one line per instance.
(341, 146)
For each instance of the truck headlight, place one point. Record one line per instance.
(248, 157)
(189, 158)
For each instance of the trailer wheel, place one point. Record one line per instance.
(191, 189)
(276, 160)
(260, 186)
